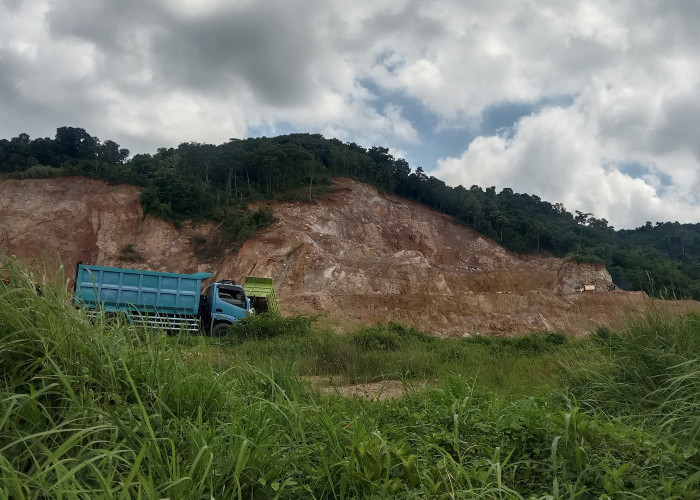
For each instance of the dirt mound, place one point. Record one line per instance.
(355, 254)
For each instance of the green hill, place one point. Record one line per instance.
(216, 181)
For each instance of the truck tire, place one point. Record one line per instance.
(219, 330)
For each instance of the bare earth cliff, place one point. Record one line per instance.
(71, 219)
(355, 254)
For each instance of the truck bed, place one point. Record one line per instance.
(131, 290)
(261, 293)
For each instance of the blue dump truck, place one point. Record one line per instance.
(169, 301)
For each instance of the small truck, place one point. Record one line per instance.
(169, 301)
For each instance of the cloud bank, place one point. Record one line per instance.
(597, 100)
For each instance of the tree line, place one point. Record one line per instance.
(216, 182)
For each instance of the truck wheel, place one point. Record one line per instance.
(219, 330)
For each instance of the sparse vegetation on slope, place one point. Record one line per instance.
(93, 409)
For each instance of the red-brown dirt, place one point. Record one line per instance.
(71, 219)
(359, 255)
(356, 255)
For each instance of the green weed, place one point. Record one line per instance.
(94, 408)
(265, 326)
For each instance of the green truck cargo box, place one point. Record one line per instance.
(261, 293)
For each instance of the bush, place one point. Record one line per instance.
(387, 336)
(239, 226)
(555, 338)
(532, 345)
(266, 326)
(130, 254)
(585, 258)
(328, 353)
(38, 172)
(409, 332)
(376, 338)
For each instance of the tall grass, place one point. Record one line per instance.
(651, 374)
(511, 367)
(96, 409)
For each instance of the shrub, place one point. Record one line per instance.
(238, 226)
(265, 326)
(388, 336)
(409, 332)
(585, 258)
(555, 338)
(130, 254)
(38, 172)
(534, 344)
(376, 338)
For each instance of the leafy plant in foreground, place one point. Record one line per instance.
(94, 408)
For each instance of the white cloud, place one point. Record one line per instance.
(561, 155)
(151, 74)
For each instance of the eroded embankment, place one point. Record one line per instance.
(360, 255)
(355, 254)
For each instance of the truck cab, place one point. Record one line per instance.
(225, 302)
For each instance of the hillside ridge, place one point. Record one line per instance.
(215, 182)
(355, 254)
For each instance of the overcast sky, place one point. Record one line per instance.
(589, 103)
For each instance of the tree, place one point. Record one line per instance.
(501, 220)
(110, 152)
(76, 143)
(582, 218)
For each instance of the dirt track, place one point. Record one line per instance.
(355, 254)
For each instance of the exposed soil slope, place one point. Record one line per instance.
(356, 254)
(361, 255)
(71, 219)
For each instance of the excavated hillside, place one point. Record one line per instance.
(71, 219)
(355, 254)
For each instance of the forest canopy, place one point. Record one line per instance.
(216, 182)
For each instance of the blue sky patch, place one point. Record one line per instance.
(638, 170)
(438, 141)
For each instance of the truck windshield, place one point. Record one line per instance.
(232, 296)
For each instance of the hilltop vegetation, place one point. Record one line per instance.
(215, 182)
(98, 409)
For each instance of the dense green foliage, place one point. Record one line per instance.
(266, 326)
(101, 410)
(215, 182)
(395, 351)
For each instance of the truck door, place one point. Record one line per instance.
(205, 308)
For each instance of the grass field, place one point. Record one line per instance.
(96, 409)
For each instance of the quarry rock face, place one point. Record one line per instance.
(362, 256)
(573, 275)
(354, 255)
(70, 219)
